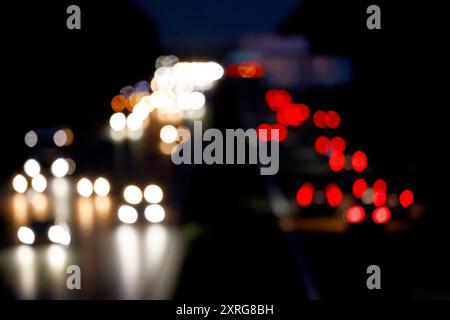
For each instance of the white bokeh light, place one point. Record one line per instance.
(118, 121)
(154, 213)
(168, 133)
(32, 168)
(142, 109)
(39, 183)
(132, 194)
(190, 100)
(25, 235)
(162, 100)
(84, 187)
(134, 122)
(20, 183)
(59, 234)
(102, 187)
(31, 139)
(153, 193)
(60, 138)
(60, 167)
(127, 214)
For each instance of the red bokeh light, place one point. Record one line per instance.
(251, 69)
(406, 198)
(359, 161)
(333, 195)
(355, 214)
(283, 117)
(359, 188)
(332, 119)
(319, 119)
(305, 194)
(304, 111)
(337, 144)
(321, 145)
(380, 185)
(282, 132)
(293, 114)
(288, 116)
(336, 161)
(379, 198)
(277, 99)
(381, 215)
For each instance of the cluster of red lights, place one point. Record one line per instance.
(325, 146)
(335, 148)
(305, 195)
(288, 114)
(248, 70)
(382, 213)
(357, 214)
(293, 114)
(334, 195)
(327, 119)
(278, 99)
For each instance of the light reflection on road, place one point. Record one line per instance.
(140, 261)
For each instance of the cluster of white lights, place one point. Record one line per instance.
(133, 195)
(152, 194)
(86, 188)
(186, 76)
(154, 213)
(130, 126)
(58, 233)
(177, 90)
(62, 137)
(38, 182)
(32, 169)
(178, 86)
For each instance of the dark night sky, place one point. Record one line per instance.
(214, 22)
